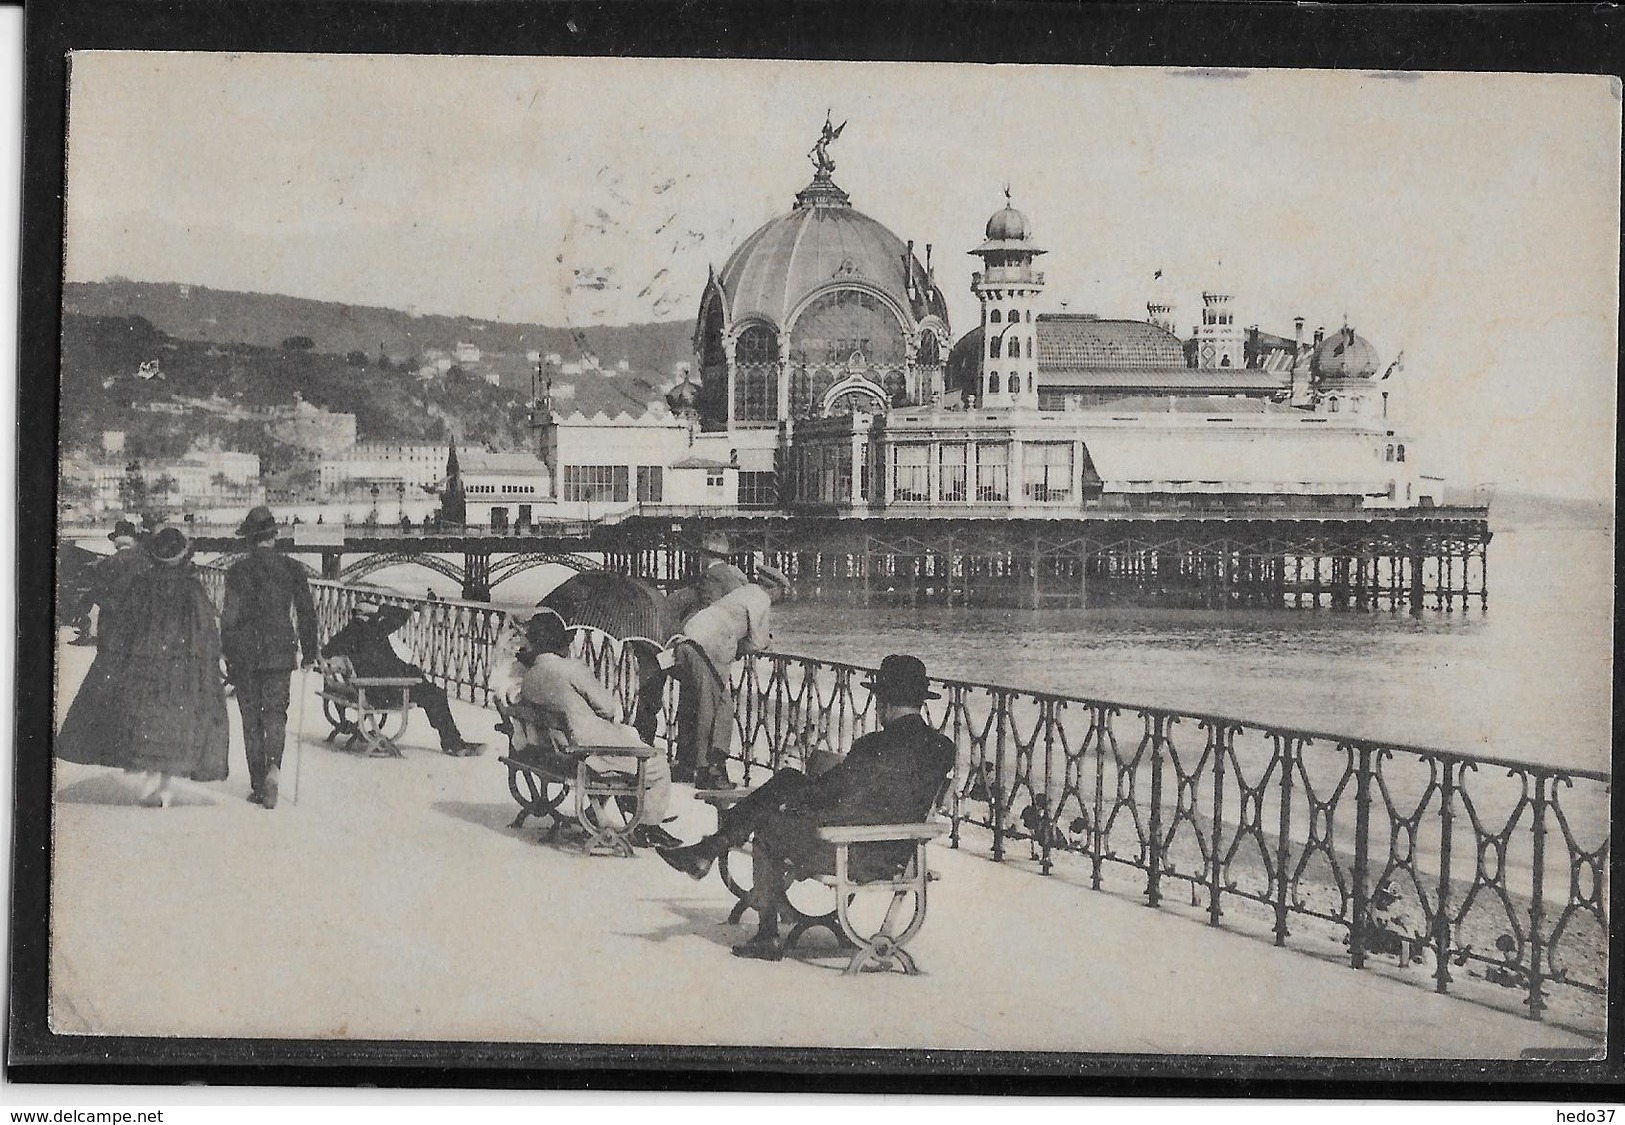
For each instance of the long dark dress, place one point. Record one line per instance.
(153, 698)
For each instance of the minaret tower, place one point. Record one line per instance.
(1007, 288)
(1220, 342)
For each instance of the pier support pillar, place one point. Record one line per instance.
(332, 564)
(477, 576)
(1417, 592)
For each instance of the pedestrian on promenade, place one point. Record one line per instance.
(732, 627)
(152, 703)
(109, 581)
(265, 592)
(582, 712)
(719, 578)
(373, 649)
(891, 776)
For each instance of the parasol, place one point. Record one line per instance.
(618, 605)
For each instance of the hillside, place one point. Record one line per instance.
(221, 316)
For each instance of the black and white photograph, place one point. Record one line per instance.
(828, 554)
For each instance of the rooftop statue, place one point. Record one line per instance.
(819, 154)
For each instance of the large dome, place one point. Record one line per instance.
(1344, 355)
(789, 257)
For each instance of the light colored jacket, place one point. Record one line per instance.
(575, 702)
(735, 625)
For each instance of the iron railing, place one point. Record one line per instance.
(1502, 865)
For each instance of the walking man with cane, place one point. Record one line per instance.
(265, 591)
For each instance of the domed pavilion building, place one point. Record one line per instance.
(827, 381)
(821, 311)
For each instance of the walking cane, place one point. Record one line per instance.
(299, 731)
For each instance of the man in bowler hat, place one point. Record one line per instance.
(110, 579)
(370, 643)
(261, 647)
(891, 776)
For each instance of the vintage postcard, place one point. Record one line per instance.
(780, 554)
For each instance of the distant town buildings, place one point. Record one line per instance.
(385, 464)
(201, 479)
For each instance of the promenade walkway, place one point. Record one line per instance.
(393, 902)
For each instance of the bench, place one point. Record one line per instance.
(882, 946)
(608, 804)
(372, 710)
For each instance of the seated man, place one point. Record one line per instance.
(373, 650)
(891, 776)
(578, 707)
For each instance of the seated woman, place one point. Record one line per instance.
(573, 704)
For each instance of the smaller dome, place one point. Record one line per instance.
(1008, 225)
(1344, 355)
(684, 397)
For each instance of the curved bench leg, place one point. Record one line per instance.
(884, 948)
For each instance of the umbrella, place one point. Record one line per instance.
(618, 605)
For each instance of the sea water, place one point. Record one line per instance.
(1530, 677)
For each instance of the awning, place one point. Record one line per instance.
(1198, 461)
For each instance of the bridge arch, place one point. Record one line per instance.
(371, 564)
(513, 565)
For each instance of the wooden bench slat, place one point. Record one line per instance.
(878, 833)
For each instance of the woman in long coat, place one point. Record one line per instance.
(152, 702)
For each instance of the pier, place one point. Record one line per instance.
(1353, 560)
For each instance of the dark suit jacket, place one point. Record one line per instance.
(891, 776)
(256, 630)
(369, 651)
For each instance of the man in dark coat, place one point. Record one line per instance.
(265, 591)
(368, 641)
(111, 578)
(891, 776)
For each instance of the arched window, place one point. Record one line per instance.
(928, 353)
(1402, 456)
(1331, 405)
(1029, 384)
(993, 347)
(992, 382)
(1390, 455)
(1015, 316)
(994, 317)
(1029, 347)
(1224, 361)
(756, 375)
(1029, 316)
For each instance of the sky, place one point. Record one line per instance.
(1470, 222)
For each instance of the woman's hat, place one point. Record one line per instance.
(546, 631)
(169, 546)
(715, 544)
(123, 529)
(258, 521)
(902, 679)
(365, 609)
